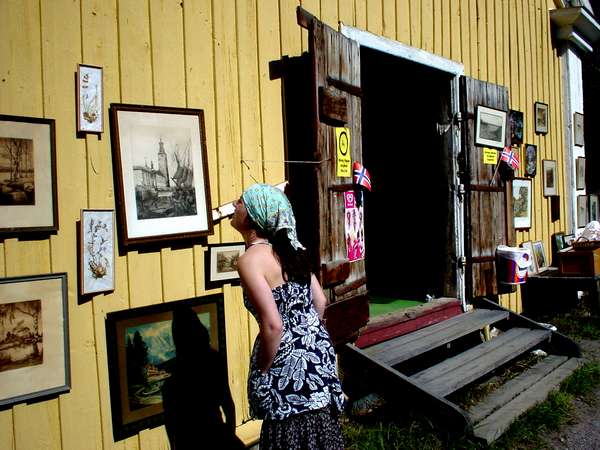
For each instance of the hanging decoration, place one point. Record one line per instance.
(361, 176)
(354, 226)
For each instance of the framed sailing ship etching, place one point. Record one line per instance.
(161, 174)
(90, 107)
(96, 251)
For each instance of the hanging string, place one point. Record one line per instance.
(274, 161)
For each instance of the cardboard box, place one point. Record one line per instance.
(579, 262)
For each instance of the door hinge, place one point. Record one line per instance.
(455, 120)
(461, 263)
(461, 192)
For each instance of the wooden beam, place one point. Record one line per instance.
(334, 272)
(303, 17)
(333, 107)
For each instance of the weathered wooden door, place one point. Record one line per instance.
(322, 92)
(488, 198)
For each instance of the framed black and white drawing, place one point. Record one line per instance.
(34, 338)
(521, 188)
(580, 173)
(578, 138)
(220, 264)
(541, 117)
(594, 207)
(550, 177)
(490, 127)
(27, 176)
(515, 119)
(530, 160)
(96, 251)
(90, 106)
(141, 357)
(161, 174)
(583, 215)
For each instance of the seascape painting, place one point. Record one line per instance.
(17, 181)
(21, 336)
(492, 127)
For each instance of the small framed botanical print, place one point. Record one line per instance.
(96, 252)
(90, 107)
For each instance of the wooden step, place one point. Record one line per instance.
(410, 345)
(497, 422)
(454, 373)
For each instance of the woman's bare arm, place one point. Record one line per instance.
(318, 296)
(269, 320)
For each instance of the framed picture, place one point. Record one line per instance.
(90, 105)
(550, 177)
(582, 211)
(532, 269)
(541, 118)
(580, 173)
(515, 119)
(521, 188)
(539, 255)
(141, 350)
(594, 207)
(161, 174)
(27, 176)
(490, 127)
(220, 264)
(569, 238)
(34, 338)
(530, 160)
(96, 251)
(578, 138)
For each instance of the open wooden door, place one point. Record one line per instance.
(322, 92)
(488, 203)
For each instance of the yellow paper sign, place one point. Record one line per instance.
(344, 160)
(490, 155)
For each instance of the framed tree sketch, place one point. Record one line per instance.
(582, 211)
(34, 338)
(141, 357)
(161, 174)
(578, 138)
(541, 118)
(27, 176)
(490, 127)
(521, 188)
(220, 264)
(580, 173)
(530, 160)
(515, 119)
(96, 251)
(90, 106)
(550, 177)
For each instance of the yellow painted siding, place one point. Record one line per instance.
(214, 55)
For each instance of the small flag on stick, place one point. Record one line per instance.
(361, 175)
(510, 157)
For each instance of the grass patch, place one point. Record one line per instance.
(578, 324)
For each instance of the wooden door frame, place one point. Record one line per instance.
(455, 69)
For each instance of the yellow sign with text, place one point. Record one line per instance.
(344, 160)
(490, 155)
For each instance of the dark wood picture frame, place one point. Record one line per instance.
(37, 316)
(169, 202)
(530, 160)
(490, 127)
(96, 258)
(28, 150)
(522, 207)
(130, 412)
(549, 177)
(219, 266)
(516, 121)
(90, 108)
(541, 117)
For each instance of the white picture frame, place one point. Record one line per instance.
(90, 99)
(578, 136)
(96, 251)
(521, 188)
(220, 264)
(490, 127)
(550, 177)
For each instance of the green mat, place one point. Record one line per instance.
(381, 305)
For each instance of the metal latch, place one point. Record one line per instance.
(462, 262)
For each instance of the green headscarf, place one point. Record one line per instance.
(271, 210)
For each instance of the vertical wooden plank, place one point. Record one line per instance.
(389, 18)
(455, 49)
(403, 21)
(465, 36)
(438, 30)
(490, 40)
(446, 36)
(498, 39)
(313, 7)
(361, 13)
(329, 13)
(415, 24)
(481, 43)
(375, 17)
(427, 18)
(291, 34)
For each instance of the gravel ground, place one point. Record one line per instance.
(583, 431)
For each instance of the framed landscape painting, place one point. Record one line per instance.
(161, 174)
(27, 176)
(580, 173)
(522, 203)
(541, 117)
(220, 264)
(141, 357)
(550, 177)
(583, 215)
(490, 127)
(34, 338)
(96, 251)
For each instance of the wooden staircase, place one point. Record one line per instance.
(424, 368)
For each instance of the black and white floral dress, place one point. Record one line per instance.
(303, 377)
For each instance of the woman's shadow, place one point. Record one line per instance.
(197, 390)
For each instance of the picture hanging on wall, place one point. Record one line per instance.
(580, 173)
(539, 254)
(220, 264)
(578, 138)
(142, 348)
(96, 251)
(582, 211)
(594, 207)
(90, 106)
(161, 174)
(27, 176)
(515, 118)
(34, 338)
(550, 177)
(521, 188)
(490, 127)
(541, 118)
(530, 160)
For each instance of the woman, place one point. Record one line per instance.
(293, 384)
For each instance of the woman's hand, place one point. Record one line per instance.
(250, 268)
(318, 296)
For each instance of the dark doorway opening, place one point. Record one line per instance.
(407, 215)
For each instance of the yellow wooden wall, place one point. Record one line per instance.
(214, 55)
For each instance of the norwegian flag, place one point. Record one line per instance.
(510, 157)
(361, 175)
